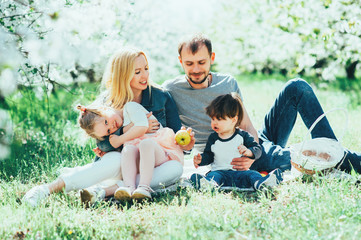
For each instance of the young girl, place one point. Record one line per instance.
(226, 143)
(141, 152)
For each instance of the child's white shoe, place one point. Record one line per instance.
(207, 184)
(91, 195)
(271, 180)
(143, 191)
(35, 195)
(123, 194)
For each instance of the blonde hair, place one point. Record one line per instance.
(88, 117)
(119, 72)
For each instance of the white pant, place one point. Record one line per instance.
(109, 168)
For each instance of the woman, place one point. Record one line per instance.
(126, 78)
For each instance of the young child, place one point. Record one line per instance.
(141, 152)
(226, 143)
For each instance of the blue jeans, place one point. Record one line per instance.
(231, 178)
(296, 97)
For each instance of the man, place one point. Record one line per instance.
(193, 91)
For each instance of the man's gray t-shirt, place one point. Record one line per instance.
(191, 103)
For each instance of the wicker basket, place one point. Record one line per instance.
(318, 154)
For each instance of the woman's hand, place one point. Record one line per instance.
(153, 124)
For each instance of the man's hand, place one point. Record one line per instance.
(98, 152)
(197, 159)
(190, 145)
(243, 150)
(242, 163)
(115, 141)
(153, 124)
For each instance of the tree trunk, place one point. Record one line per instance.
(351, 69)
(91, 75)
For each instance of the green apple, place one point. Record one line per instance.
(182, 137)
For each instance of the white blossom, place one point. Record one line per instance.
(7, 82)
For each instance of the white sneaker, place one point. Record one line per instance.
(271, 180)
(185, 183)
(123, 194)
(91, 195)
(143, 191)
(35, 195)
(207, 184)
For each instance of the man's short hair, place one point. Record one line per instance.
(194, 42)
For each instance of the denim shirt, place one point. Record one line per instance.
(105, 145)
(161, 104)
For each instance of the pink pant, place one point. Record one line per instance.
(144, 158)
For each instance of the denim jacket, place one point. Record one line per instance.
(161, 104)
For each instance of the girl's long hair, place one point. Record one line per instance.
(119, 72)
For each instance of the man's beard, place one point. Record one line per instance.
(203, 80)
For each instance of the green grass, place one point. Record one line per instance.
(46, 138)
